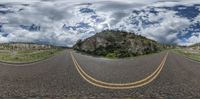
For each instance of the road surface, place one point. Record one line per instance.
(73, 75)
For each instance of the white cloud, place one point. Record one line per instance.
(195, 38)
(166, 28)
(51, 17)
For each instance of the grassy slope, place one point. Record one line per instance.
(21, 56)
(192, 54)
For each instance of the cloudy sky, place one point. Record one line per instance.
(63, 22)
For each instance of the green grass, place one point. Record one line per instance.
(192, 54)
(24, 56)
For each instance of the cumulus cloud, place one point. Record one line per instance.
(62, 23)
(195, 38)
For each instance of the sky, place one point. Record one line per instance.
(63, 22)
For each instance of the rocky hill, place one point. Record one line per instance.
(117, 44)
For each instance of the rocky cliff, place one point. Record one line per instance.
(117, 44)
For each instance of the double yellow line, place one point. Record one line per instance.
(129, 85)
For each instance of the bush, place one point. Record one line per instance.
(111, 55)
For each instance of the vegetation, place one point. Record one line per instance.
(22, 53)
(189, 52)
(118, 44)
(195, 46)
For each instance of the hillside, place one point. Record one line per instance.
(117, 44)
(195, 46)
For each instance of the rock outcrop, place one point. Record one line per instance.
(117, 44)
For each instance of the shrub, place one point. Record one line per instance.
(111, 55)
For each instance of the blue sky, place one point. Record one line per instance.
(63, 22)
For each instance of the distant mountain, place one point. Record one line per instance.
(20, 45)
(26, 45)
(198, 44)
(117, 44)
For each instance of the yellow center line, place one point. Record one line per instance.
(102, 84)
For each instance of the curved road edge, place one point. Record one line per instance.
(129, 85)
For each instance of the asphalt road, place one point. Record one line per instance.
(162, 75)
